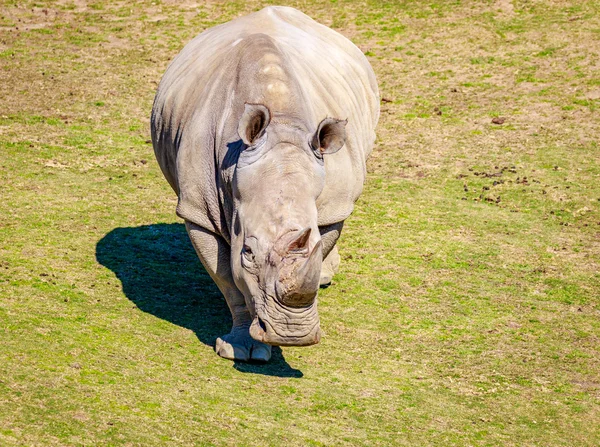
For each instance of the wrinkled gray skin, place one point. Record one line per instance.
(262, 127)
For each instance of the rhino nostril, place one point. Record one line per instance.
(258, 330)
(262, 324)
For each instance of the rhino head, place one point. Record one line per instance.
(276, 249)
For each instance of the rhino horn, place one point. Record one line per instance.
(300, 287)
(300, 243)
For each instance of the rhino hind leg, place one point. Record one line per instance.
(214, 254)
(330, 267)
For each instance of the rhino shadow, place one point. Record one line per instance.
(161, 273)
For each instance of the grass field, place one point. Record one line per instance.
(467, 308)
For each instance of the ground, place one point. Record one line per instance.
(466, 310)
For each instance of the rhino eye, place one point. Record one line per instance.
(247, 254)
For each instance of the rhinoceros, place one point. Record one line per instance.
(262, 126)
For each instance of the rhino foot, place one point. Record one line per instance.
(239, 345)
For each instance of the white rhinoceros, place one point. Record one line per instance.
(262, 126)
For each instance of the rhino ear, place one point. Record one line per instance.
(330, 136)
(253, 123)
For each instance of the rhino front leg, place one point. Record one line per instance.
(214, 253)
(331, 260)
(329, 268)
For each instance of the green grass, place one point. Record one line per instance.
(466, 310)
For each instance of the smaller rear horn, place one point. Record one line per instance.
(300, 243)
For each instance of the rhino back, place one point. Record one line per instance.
(201, 96)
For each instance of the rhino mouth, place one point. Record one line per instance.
(280, 326)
